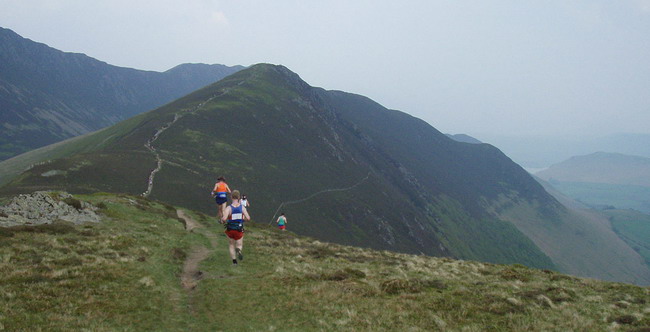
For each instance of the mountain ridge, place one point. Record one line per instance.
(322, 127)
(279, 140)
(47, 95)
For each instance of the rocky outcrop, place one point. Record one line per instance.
(43, 207)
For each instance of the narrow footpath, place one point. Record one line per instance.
(191, 274)
(316, 194)
(156, 135)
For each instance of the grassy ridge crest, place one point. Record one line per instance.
(124, 274)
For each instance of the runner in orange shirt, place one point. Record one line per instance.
(220, 192)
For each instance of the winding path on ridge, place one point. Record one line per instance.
(150, 147)
(316, 194)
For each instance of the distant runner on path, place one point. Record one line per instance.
(234, 217)
(244, 201)
(220, 192)
(282, 221)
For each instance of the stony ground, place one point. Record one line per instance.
(44, 207)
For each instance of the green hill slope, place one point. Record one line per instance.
(407, 187)
(279, 140)
(141, 269)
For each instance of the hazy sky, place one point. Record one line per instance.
(476, 67)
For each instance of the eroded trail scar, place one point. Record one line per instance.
(316, 194)
(190, 223)
(191, 274)
(152, 149)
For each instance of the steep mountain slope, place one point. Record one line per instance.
(581, 233)
(47, 95)
(343, 168)
(622, 229)
(634, 228)
(140, 268)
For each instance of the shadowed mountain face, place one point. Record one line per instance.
(47, 95)
(342, 167)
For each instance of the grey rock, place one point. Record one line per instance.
(43, 207)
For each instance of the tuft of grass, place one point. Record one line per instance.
(397, 286)
(320, 252)
(57, 227)
(514, 273)
(75, 203)
(178, 254)
(340, 275)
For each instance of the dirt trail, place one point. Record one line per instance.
(190, 223)
(316, 194)
(152, 149)
(191, 274)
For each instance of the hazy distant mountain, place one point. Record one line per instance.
(543, 151)
(464, 138)
(343, 168)
(604, 180)
(47, 95)
(601, 167)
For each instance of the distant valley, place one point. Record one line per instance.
(604, 180)
(613, 186)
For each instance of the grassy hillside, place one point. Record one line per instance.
(279, 140)
(580, 241)
(291, 146)
(129, 273)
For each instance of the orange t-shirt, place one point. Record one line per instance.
(222, 187)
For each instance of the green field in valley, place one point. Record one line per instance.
(634, 228)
